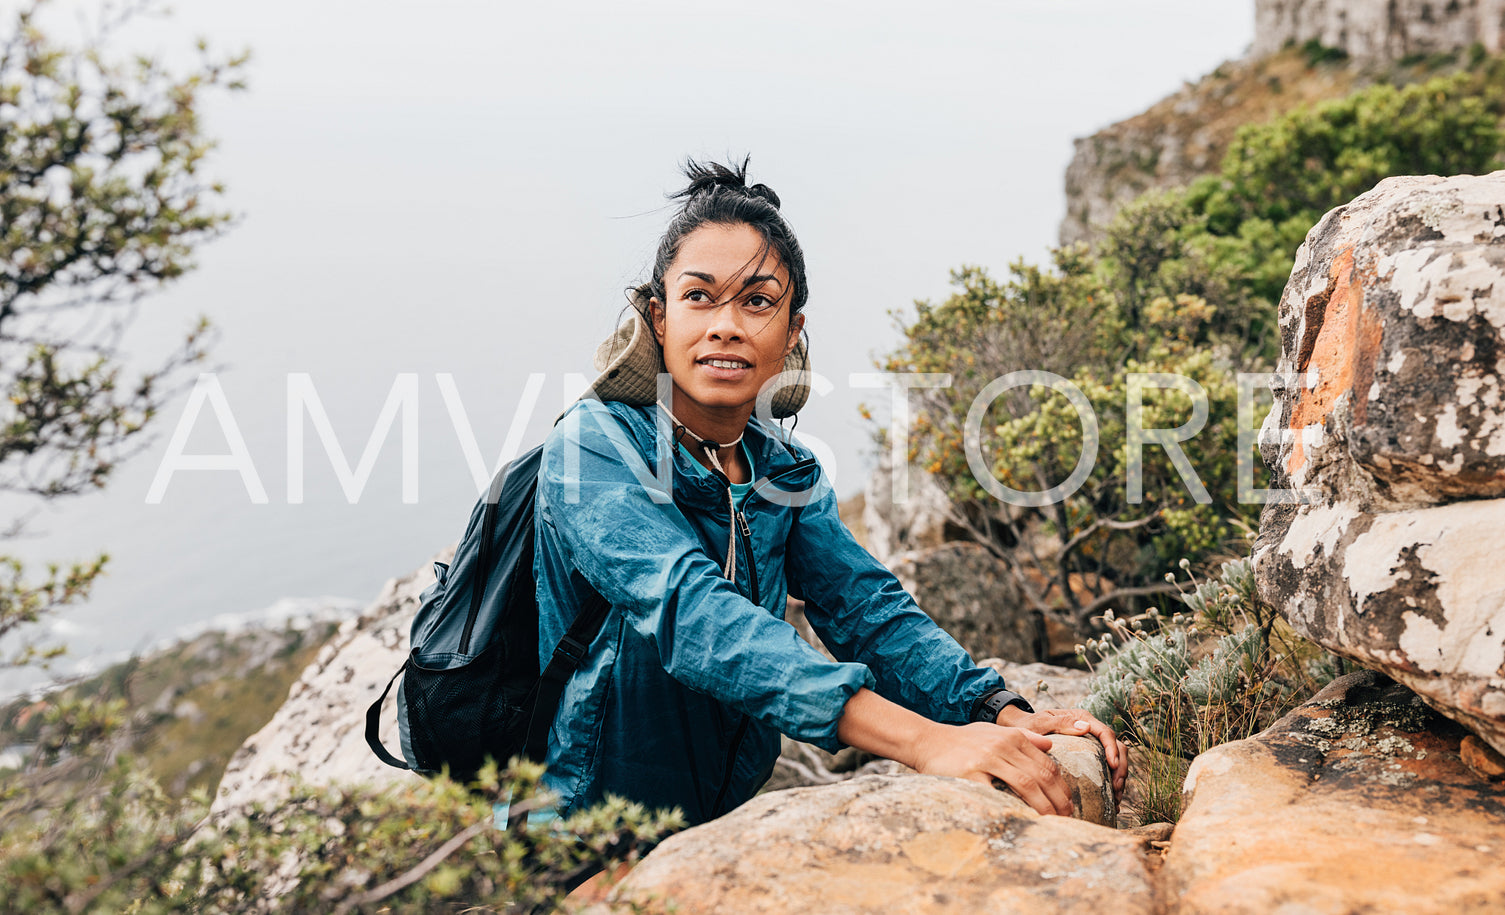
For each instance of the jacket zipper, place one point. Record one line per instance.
(752, 567)
(745, 530)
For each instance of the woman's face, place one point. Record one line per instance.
(725, 326)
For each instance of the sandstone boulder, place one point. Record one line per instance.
(318, 734)
(968, 591)
(1043, 686)
(1392, 424)
(1355, 802)
(888, 844)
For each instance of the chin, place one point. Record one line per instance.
(721, 400)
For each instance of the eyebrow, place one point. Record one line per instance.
(750, 281)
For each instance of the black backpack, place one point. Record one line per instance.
(472, 688)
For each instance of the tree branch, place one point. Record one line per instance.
(397, 884)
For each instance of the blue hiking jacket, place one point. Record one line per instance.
(682, 696)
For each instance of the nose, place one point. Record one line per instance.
(726, 323)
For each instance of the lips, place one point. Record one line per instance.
(724, 362)
(724, 367)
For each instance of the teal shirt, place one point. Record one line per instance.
(739, 490)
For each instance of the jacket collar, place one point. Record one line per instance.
(771, 450)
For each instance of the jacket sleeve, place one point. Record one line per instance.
(862, 613)
(627, 537)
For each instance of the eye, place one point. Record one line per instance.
(760, 303)
(698, 295)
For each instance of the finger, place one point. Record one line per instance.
(1033, 775)
(1072, 722)
(1047, 774)
(1086, 723)
(1043, 771)
(1040, 741)
(1121, 774)
(1055, 789)
(1029, 791)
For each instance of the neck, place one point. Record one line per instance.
(722, 425)
(710, 427)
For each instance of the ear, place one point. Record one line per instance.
(796, 325)
(656, 319)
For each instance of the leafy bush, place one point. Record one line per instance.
(1318, 53)
(1237, 231)
(1098, 547)
(128, 847)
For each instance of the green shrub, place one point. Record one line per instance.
(1317, 53)
(128, 847)
(1109, 546)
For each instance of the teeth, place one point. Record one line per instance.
(726, 364)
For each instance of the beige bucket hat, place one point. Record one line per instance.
(630, 361)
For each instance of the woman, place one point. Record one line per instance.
(694, 540)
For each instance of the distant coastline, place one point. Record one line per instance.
(298, 613)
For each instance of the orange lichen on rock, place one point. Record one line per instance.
(1340, 342)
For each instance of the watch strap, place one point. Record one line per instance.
(987, 707)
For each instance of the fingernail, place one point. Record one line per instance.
(1082, 725)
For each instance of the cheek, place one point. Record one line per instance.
(677, 340)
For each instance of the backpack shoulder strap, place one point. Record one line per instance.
(565, 661)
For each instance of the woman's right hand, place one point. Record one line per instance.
(986, 752)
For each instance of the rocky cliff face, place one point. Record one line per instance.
(1185, 135)
(1384, 29)
(318, 735)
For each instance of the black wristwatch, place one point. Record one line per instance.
(991, 703)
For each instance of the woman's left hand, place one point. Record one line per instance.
(1075, 723)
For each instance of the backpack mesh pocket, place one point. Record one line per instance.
(461, 715)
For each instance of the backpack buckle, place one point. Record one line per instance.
(571, 648)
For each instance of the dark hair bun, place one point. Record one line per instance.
(707, 177)
(765, 192)
(718, 194)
